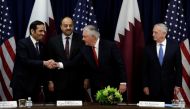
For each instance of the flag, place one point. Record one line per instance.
(42, 11)
(177, 30)
(129, 35)
(7, 51)
(84, 15)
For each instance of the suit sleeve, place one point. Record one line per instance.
(119, 63)
(144, 69)
(178, 67)
(22, 51)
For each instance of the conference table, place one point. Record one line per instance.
(91, 106)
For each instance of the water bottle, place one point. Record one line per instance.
(182, 103)
(29, 102)
(41, 97)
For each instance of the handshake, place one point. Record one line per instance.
(51, 64)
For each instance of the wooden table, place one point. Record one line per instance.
(91, 106)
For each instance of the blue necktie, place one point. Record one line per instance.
(161, 54)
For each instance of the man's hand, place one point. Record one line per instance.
(122, 88)
(86, 84)
(146, 91)
(51, 64)
(51, 86)
(176, 90)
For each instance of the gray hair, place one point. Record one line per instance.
(91, 30)
(163, 27)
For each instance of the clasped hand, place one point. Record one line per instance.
(51, 64)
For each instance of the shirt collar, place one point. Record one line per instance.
(64, 36)
(33, 40)
(163, 43)
(97, 43)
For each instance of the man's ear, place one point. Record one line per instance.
(32, 31)
(60, 25)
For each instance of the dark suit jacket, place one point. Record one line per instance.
(111, 69)
(162, 79)
(28, 68)
(68, 81)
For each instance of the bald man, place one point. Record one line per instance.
(66, 80)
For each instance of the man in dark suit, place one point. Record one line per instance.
(103, 62)
(66, 81)
(162, 67)
(29, 64)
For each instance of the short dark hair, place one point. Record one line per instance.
(34, 24)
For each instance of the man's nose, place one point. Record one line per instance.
(68, 27)
(43, 33)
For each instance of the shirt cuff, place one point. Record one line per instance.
(61, 66)
(123, 83)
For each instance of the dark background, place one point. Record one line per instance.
(107, 12)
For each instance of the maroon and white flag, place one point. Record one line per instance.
(129, 35)
(42, 11)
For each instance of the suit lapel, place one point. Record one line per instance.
(32, 47)
(73, 45)
(60, 46)
(155, 54)
(165, 54)
(41, 48)
(89, 56)
(101, 52)
(166, 51)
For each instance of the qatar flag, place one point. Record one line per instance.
(42, 11)
(129, 35)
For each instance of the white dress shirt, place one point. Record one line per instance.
(64, 40)
(33, 41)
(97, 52)
(61, 65)
(96, 46)
(163, 47)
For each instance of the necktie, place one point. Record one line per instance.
(161, 54)
(37, 48)
(95, 56)
(67, 47)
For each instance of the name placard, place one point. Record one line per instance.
(151, 104)
(8, 104)
(69, 103)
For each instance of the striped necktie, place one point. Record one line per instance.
(37, 48)
(67, 47)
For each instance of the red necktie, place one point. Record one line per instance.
(95, 56)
